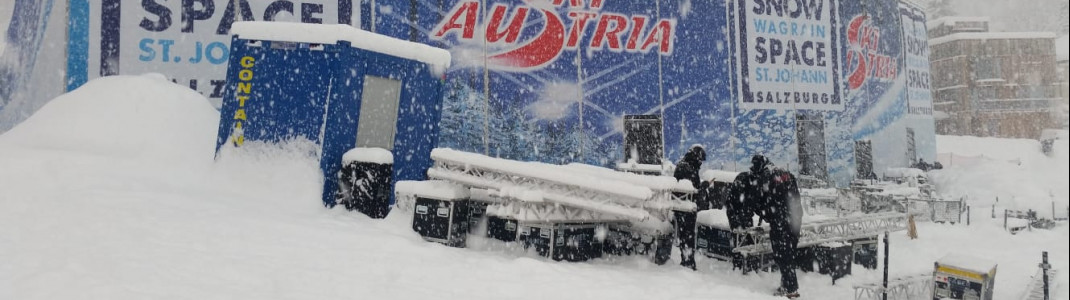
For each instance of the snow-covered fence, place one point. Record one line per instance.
(952, 159)
(902, 288)
(936, 210)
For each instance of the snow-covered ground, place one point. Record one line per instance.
(1014, 171)
(111, 192)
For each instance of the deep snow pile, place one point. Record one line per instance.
(1013, 170)
(111, 192)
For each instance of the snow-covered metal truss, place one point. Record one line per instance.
(755, 241)
(545, 192)
(902, 288)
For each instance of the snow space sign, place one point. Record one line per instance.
(788, 51)
(187, 40)
(916, 41)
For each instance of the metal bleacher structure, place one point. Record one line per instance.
(902, 288)
(583, 193)
(756, 240)
(563, 193)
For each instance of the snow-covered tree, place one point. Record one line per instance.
(512, 135)
(461, 126)
(940, 8)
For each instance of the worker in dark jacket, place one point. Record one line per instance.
(741, 203)
(745, 198)
(684, 221)
(780, 207)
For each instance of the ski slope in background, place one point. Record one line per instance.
(111, 192)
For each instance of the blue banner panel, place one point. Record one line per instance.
(551, 80)
(20, 45)
(279, 92)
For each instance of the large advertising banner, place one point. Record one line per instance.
(788, 54)
(556, 78)
(916, 42)
(188, 40)
(551, 80)
(875, 90)
(20, 42)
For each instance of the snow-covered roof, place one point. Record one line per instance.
(1052, 134)
(435, 189)
(1061, 48)
(967, 262)
(439, 59)
(991, 36)
(368, 155)
(952, 20)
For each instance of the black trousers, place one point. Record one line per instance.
(784, 253)
(684, 223)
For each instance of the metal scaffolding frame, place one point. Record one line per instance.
(755, 241)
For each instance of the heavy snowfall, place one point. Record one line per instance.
(113, 192)
(115, 188)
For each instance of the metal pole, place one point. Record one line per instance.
(486, 85)
(1044, 268)
(661, 82)
(884, 292)
(967, 216)
(1004, 219)
(579, 108)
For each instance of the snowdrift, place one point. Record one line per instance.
(123, 116)
(1013, 170)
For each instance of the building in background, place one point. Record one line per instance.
(1064, 71)
(1002, 84)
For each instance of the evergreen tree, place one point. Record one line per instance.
(511, 133)
(461, 126)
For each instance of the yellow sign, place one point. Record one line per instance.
(961, 273)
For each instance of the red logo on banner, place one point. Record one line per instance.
(611, 31)
(864, 59)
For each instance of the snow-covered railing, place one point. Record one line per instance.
(902, 288)
(1041, 286)
(952, 159)
(534, 186)
(1035, 289)
(756, 240)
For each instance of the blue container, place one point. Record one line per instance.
(297, 87)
